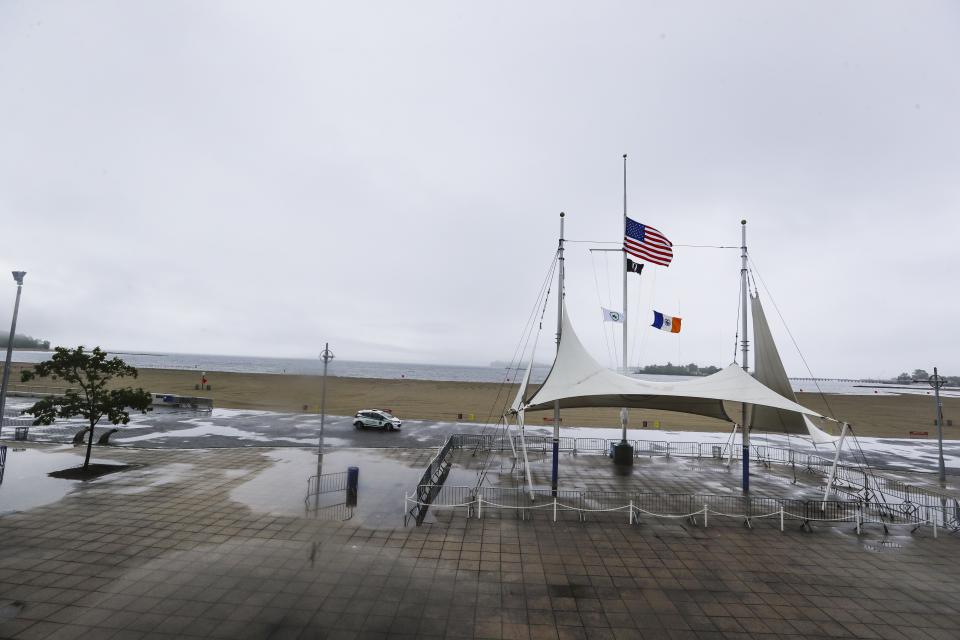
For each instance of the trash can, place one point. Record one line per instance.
(717, 451)
(353, 486)
(20, 433)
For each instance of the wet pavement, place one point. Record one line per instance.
(221, 543)
(184, 429)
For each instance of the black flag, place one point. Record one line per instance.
(634, 267)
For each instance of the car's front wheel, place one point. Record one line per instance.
(358, 425)
(390, 427)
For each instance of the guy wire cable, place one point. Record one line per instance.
(596, 281)
(518, 353)
(816, 383)
(521, 344)
(483, 472)
(792, 339)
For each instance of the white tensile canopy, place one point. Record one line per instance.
(770, 371)
(577, 380)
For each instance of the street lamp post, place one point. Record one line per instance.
(326, 355)
(18, 277)
(936, 382)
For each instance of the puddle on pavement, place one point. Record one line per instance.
(26, 484)
(385, 474)
(140, 480)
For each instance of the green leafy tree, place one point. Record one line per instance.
(89, 373)
(904, 377)
(920, 374)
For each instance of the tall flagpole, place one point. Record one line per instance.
(623, 452)
(556, 404)
(624, 414)
(744, 427)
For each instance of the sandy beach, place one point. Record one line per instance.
(871, 415)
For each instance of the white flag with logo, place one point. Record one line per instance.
(611, 316)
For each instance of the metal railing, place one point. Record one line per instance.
(893, 499)
(430, 481)
(57, 432)
(812, 463)
(696, 508)
(326, 483)
(36, 389)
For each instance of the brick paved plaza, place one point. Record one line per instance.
(188, 544)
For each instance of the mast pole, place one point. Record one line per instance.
(556, 404)
(624, 414)
(745, 428)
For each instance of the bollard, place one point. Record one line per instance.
(554, 509)
(353, 484)
(704, 516)
(781, 518)
(631, 512)
(479, 507)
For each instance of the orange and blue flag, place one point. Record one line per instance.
(665, 322)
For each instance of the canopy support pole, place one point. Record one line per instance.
(523, 446)
(506, 420)
(833, 468)
(555, 470)
(731, 443)
(745, 347)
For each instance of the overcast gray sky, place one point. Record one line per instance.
(258, 178)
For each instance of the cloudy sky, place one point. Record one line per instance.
(258, 178)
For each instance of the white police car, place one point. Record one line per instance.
(376, 419)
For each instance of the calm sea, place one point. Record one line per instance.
(304, 366)
(394, 370)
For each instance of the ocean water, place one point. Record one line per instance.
(442, 372)
(310, 367)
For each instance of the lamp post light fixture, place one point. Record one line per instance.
(18, 277)
(936, 382)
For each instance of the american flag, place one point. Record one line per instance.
(645, 242)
